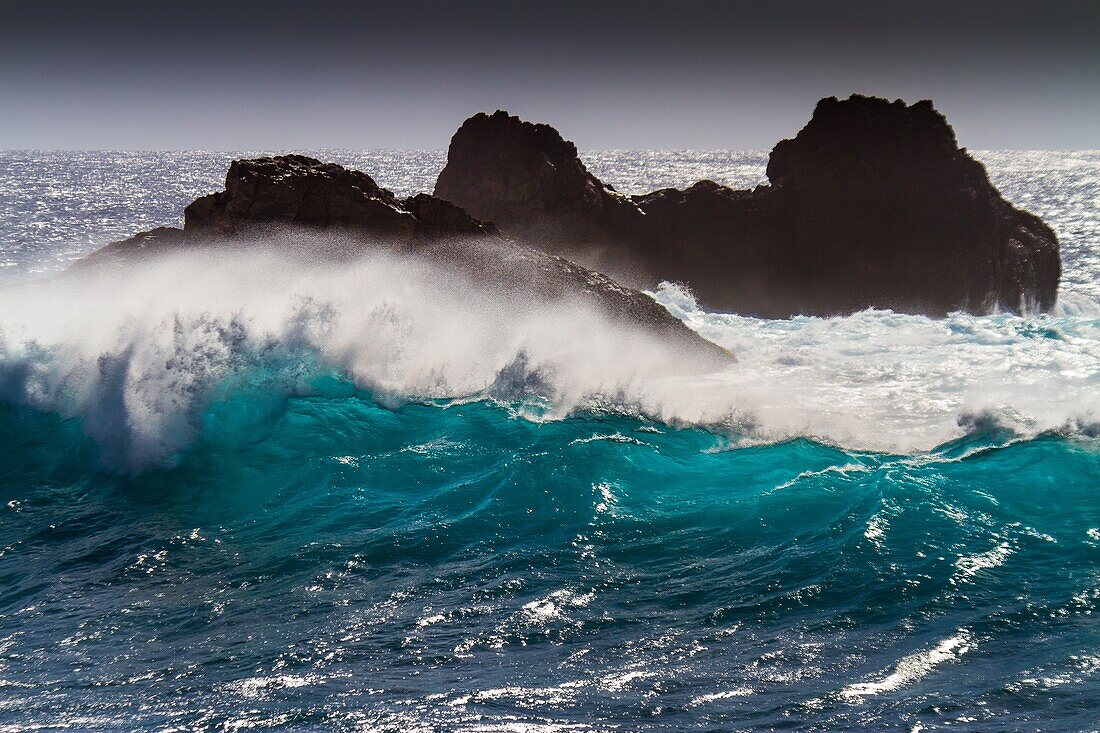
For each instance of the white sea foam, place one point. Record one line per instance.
(912, 668)
(136, 354)
(723, 695)
(970, 565)
(890, 381)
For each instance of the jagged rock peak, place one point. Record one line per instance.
(515, 173)
(533, 135)
(872, 133)
(871, 204)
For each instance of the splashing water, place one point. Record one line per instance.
(260, 493)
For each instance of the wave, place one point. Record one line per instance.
(379, 496)
(144, 357)
(383, 497)
(477, 569)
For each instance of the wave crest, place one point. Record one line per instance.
(140, 356)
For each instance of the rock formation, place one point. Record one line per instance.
(300, 190)
(296, 190)
(266, 197)
(872, 204)
(527, 180)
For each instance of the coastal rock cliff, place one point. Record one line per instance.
(530, 182)
(266, 199)
(872, 204)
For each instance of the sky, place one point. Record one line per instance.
(674, 74)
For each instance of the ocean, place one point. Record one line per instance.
(257, 493)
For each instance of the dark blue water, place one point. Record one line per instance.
(243, 512)
(332, 563)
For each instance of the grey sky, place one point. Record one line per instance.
(671, 74)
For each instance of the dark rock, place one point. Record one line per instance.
(266, 197)
(919, 224)
(730, 246)
(301, 191)
(518, 271)
(872, 204)
(294, 189)
(530, 182)
(436, 217)
(143, 244)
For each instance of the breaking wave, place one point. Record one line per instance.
(263, 491)
(141, 357)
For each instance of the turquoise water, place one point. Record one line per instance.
(325, 561)
(272, 496)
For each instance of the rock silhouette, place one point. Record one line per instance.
(296, 189)
(872, 204)
(266, 199)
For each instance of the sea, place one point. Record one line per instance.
(265, 493)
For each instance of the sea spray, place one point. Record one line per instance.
(138, 354)
(263, 493)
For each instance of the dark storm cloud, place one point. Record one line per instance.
(642, 74)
